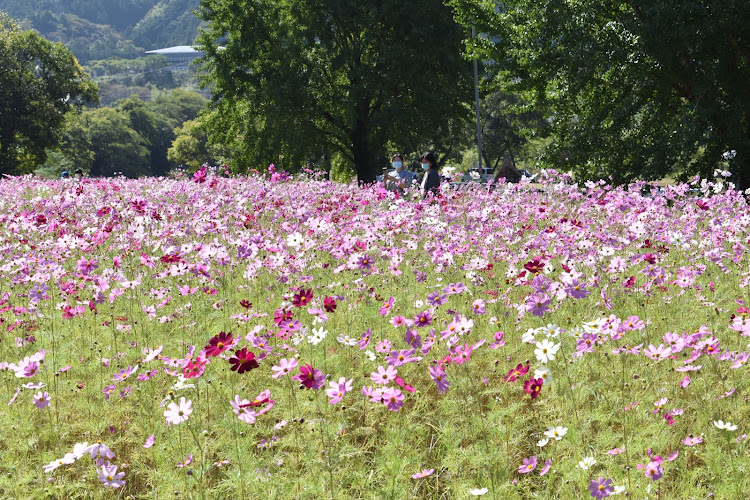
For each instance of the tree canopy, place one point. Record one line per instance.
(312, 78)
(40, 81)
(634, 89)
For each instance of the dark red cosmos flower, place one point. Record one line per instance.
(516, 372)
(243, 361)
(302, 298)
(534, 266)
(170, 258)
(329, 304)
(218, 344)
(246, 303)
(533, 386)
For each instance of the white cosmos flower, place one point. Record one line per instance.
(478, 492)
(551, 330)
(294, 240)
(556, 433)
(545, 351)
(725, 425)
(346, 340)
(542, 442)
(586, 463)
(543, 373)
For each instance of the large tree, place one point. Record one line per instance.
(40, 81)
(635, 88)
(300, 78)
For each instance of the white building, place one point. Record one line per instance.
(179, 57)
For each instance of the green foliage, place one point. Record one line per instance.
(40, 82)
(109, 140)
(156, 129)
(634, 89)
(168, 23)
(190, 147)
(117, 147)
(303, 78)
(507, 122)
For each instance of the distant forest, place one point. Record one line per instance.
(103, 29)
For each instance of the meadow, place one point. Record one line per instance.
(287, 337)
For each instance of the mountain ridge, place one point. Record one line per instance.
(100, 29)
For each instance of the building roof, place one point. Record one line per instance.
(180, 49)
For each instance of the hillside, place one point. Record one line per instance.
(101, 29)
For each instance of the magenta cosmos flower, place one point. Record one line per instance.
(528, 465)
(309, 377)
(514, 373)
(218, 344)
(533, 387)
(601, 488)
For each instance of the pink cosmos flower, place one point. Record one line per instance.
(399, 358)
(42, 400)
(150, 441)
(364, 340)
(284, 367)
(393, 399)
(423, 319)
(387, 306)
(528, 465)
(383, 375)
(424, 473)
(657, 353)
(546, 468)
(98, 448)
(654, 470)
(338, 389)
(438, 375)
(109, 476)
(538, 304)
(601, 488)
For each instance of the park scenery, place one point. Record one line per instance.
(282, 336)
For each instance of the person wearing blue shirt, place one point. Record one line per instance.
(399, 179)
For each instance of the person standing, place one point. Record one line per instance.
(431, 179)
(400, 178)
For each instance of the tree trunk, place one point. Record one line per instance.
(364, 157)
(742, 181)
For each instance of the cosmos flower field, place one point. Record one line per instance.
(274, 337)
